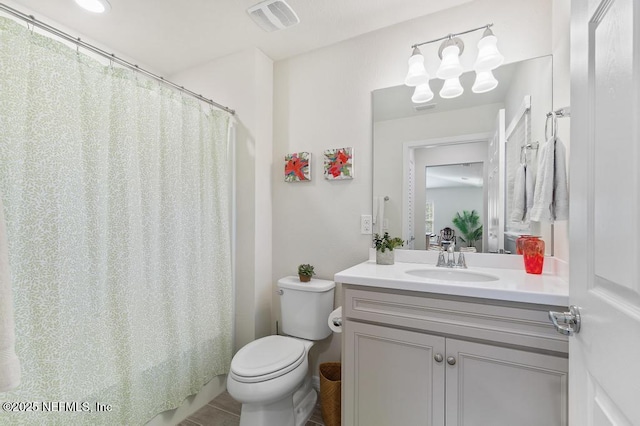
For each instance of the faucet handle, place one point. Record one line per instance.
(441, 261)
(461, 261)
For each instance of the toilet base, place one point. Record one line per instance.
(291, 410)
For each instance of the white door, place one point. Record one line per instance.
(604, 357)
(410, 234)
(496, 185)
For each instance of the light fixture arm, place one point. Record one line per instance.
(451, 36)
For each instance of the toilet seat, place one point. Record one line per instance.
(267, 358)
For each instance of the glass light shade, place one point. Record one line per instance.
(95, 6)
(450, 66)
(417, 73)
(489, 57)
(451, 88)
(485, 82)
(422, 93)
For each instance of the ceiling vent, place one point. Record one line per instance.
(273, 15)
(424, 107)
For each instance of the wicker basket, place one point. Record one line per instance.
(330, 392)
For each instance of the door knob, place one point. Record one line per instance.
(451, 360)
(566, 323)
(438, 357)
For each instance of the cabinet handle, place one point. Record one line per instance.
(451, 360)
(438, 357)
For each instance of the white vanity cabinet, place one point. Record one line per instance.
(412, 358)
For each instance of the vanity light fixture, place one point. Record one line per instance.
(450, 69)
(95, 6)
(422, 93)
(451, 88)
(489, 58)
(485, 82)
(450, 52)
(417, 72)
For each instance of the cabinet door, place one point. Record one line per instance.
(390, 377)
(490, 385)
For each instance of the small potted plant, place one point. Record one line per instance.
(384, 248)
(305, 272)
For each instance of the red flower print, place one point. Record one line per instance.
(294, 167)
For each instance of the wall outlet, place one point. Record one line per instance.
(366, 224)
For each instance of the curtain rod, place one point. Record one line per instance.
(32, 20)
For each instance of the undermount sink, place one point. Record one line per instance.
(447, 274)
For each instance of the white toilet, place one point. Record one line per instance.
(269, 376)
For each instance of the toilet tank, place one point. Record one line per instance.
(305, 307)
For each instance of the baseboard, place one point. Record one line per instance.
(315, 382)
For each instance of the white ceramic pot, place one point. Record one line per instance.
(384, 258)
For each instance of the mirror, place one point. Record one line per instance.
(487, 135)
(454, 189)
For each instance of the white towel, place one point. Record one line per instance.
(378, 215)
(551, 196)
(9, 363)
(519, 195)
(530, 183)
(376, 204)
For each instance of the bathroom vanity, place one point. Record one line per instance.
(435, 346)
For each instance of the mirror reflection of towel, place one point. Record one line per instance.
(523, 190)
(9, 363)
(519, 210)
(551, 195)
(378, 215)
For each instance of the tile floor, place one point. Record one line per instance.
(225, 411)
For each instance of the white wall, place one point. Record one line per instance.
(322, 99)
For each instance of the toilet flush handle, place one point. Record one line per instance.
(280, 292)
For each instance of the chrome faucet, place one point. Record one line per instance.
(451, 255)
(451, 258)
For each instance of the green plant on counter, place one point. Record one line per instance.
(385, 242)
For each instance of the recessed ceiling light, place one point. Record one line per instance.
(95, 6)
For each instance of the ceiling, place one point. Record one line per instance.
(455, 175)
(168, 36)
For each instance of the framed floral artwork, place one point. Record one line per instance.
(338, 163)
(297, 167)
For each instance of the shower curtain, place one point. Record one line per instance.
(116, 195)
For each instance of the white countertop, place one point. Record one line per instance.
(512, 285)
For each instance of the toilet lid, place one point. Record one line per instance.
(267, 358)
